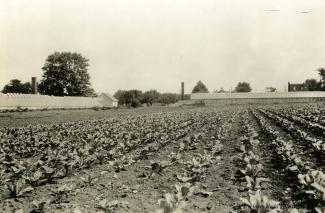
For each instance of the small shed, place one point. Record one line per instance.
(108, 100)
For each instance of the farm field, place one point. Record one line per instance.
(263, 158)
(69, 115)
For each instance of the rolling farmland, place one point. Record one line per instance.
(263, 158)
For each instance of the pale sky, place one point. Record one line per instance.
(156, 44)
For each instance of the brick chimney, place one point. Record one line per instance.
(34, 85)
(182, 95)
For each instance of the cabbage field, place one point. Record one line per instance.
(250, 159)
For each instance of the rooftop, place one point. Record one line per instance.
(242, 95)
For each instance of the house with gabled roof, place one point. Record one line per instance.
(107, 99)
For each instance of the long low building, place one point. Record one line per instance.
(35, 101)
(250, 97)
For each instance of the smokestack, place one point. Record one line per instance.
(34, 85)
(182, 95)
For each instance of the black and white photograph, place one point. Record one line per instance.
(162, 106)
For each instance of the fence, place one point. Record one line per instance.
(31, 101)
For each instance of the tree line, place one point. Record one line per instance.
(310, 85)
(314, 84)
(241, 87)
(136, 98)
(66, 74)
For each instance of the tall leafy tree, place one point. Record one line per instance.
(312, 84)
(321, 73)
(130, 98)
(243, 87)
(120, 96)
(15, 86)
(66, 73)
(169, 98)
(150, 97)
(200, 88)
(135, 98)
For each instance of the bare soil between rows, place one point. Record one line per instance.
(139, 191)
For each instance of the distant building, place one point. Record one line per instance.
(108, 99)
(297, 87)
(36, 101)
(270, 89)
(221, 90)
(257, 98)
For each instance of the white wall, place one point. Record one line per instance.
(11, 101)
(256, 98)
